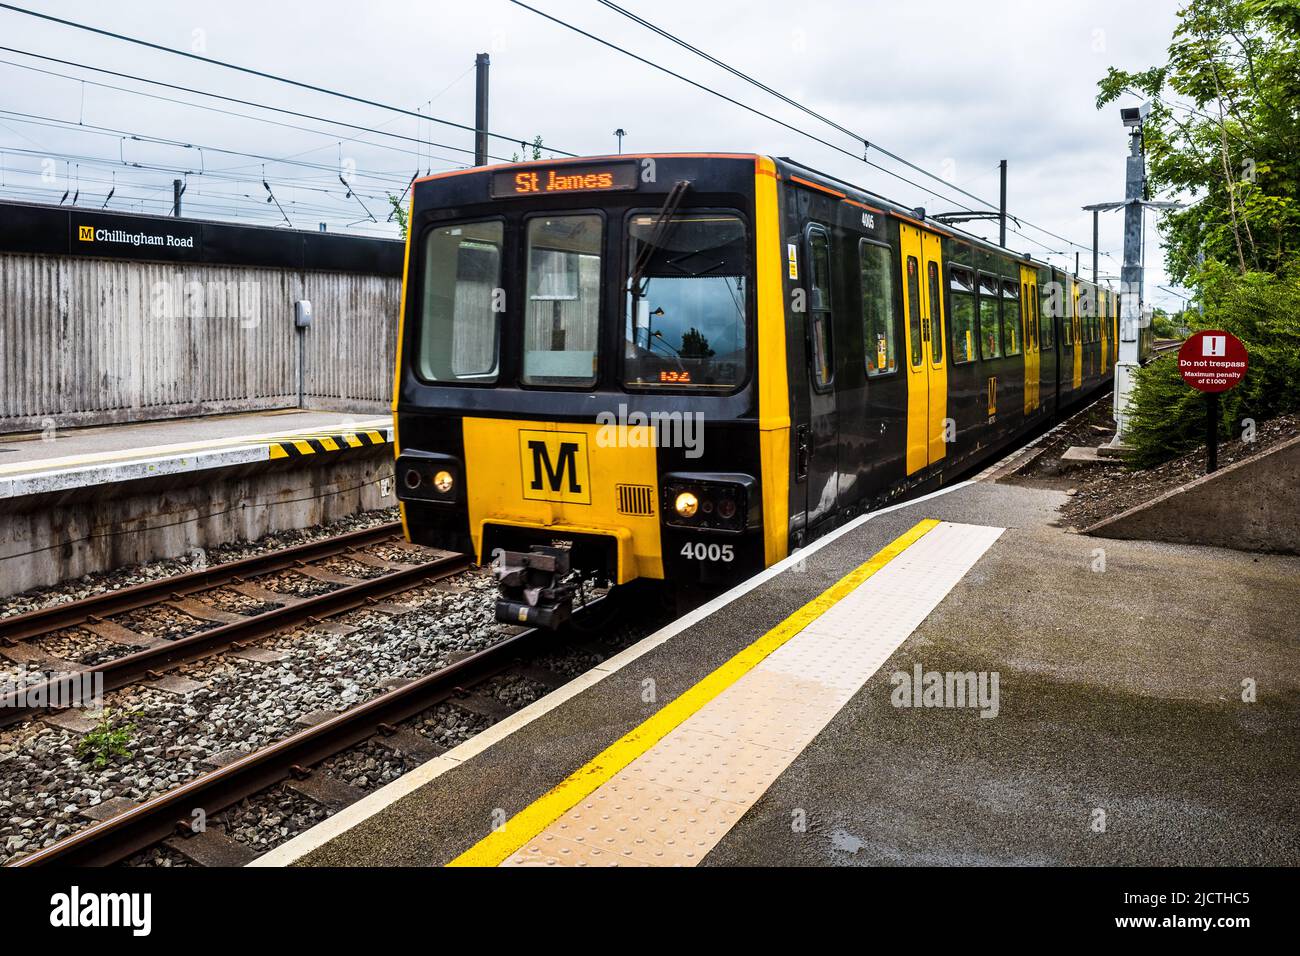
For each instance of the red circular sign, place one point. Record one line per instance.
(1212, 361)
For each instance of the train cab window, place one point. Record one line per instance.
(562, 300)
(962, 320)
(459, 331)
(914, 310)
(990, 339)
(936, 313)
(686, 302)
(819, 313)
(1011, 343)
(878, 325)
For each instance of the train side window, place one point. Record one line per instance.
(990, 340)
(562, 300)
(1045, 331)
(962, 320)
(936, 312)
(459, 331)
(878, 321)
(1011, 343)
(914, 309)
(819, 317)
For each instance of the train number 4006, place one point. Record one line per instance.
(699, 551)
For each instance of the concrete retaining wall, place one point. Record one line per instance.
(45, 539)
(86, 341)
(1252, 505)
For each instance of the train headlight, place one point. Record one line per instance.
(443, 482)
(687, 504)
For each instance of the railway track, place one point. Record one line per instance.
(171, 814)
(154, 655)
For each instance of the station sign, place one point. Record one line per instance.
(1212, 361)
(133, 237)
(566, 178)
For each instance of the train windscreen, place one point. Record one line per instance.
(686, 303)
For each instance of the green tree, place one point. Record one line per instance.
(1223, 127)
(695, 344)
(399, 213)
(536, 149)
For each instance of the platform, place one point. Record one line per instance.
(65, 459)
(772, 726)
(80, 501)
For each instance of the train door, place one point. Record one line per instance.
(1076, 335)
(823, 430)
(927, 369)
(1029, 336)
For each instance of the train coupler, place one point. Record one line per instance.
(531, 587)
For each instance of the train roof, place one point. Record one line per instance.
(813, 177)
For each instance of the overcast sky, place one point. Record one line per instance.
(952, 86)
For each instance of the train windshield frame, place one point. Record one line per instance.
(686, 313)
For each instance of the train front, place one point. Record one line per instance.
(577, 382)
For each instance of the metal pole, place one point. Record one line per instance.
(1211, 432)
(1130, 281)
(1002, 205)
(481, 63)
(176, 198)
(1095, 214)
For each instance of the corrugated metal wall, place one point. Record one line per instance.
(93, 341)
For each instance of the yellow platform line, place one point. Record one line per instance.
(498, 846)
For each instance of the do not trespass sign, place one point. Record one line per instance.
(1212, 361)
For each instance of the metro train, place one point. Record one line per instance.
(682, 367)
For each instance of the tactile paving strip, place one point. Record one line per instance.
(674, 803)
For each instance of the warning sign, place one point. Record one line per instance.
(1212, 361)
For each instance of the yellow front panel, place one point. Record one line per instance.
(563, 478)
(918, 387)
(1032, 351)
(935, 351)
(1076, 325)
(773, 389)
(1104, 323)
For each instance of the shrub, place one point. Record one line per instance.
(1167, 417)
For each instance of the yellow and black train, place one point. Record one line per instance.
(682, 367)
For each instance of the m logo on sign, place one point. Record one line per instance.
(86, 233)
(554, 466)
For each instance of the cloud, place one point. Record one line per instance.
(952, 86)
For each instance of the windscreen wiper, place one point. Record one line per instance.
(657, 233)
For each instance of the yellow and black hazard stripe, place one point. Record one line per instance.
(303, 445)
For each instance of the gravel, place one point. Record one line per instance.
(291, 582)
(1099, 491)
(79, 646)
(353, 569)
(243, 705)
(233, 602)
(169, 567)
(161, 620)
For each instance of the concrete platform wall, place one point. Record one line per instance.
(1252, 505)
(45, 539)
(96, 341)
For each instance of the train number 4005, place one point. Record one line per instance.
(699, 551)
